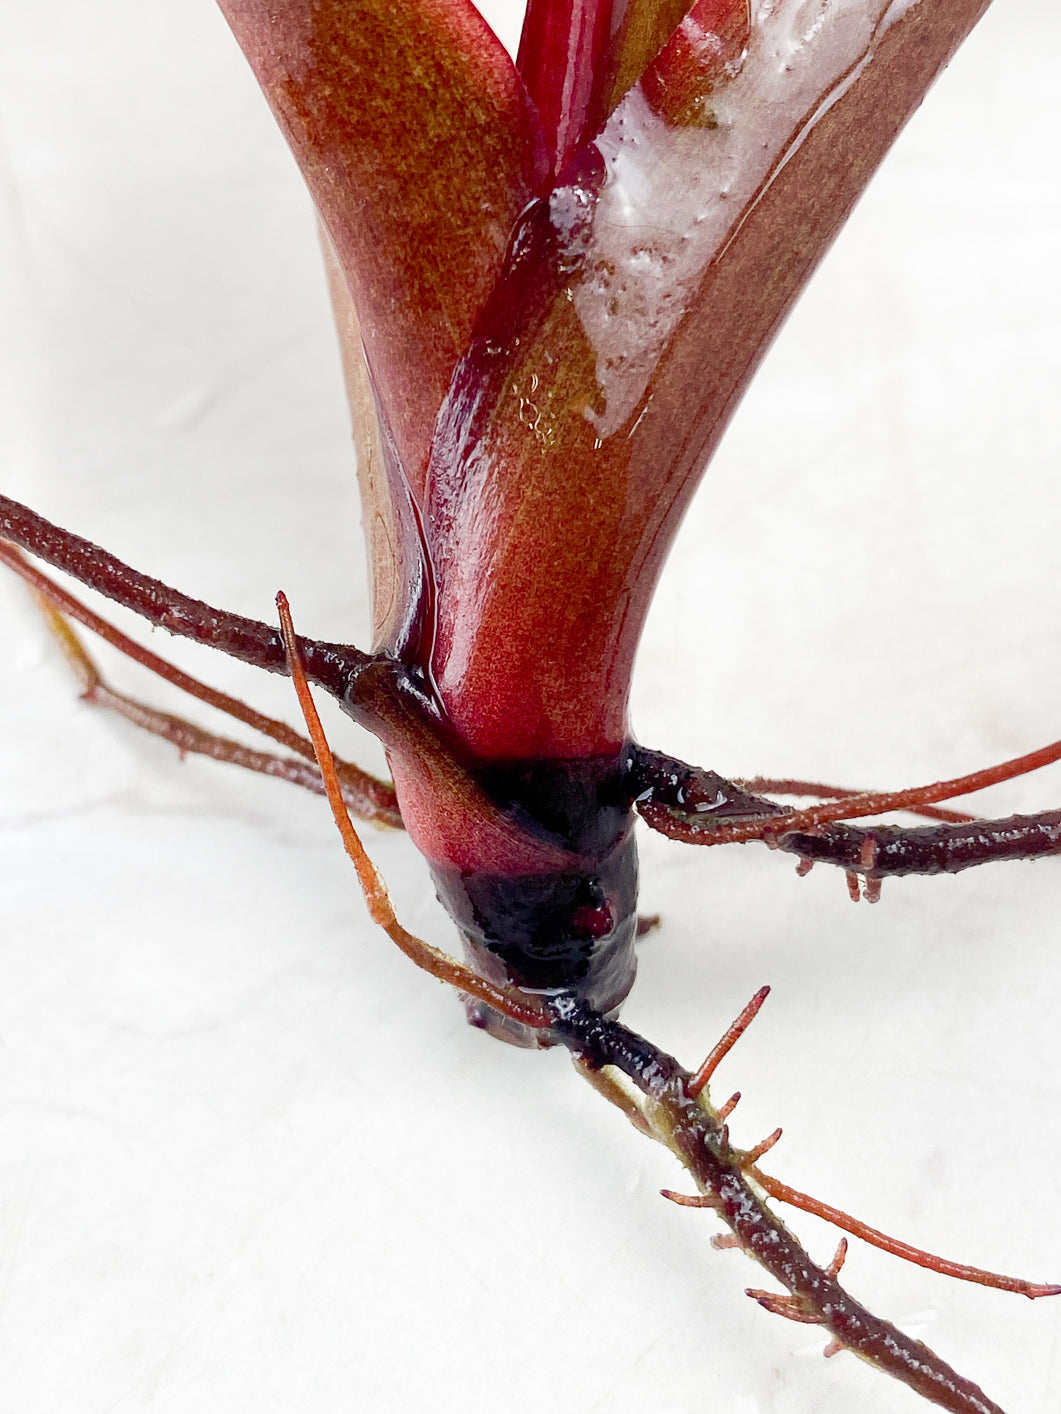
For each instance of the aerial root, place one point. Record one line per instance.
(856, 889)
(839, 1258)
(730, 1105)
(769, 785)
(616, 1094)
(853, 807)
(726, 1044)
(83, 667)
(747, 1163)
(867, 861)
(793, 1308)
(692, 1200)
(430, 959)
(784, 1194)
(690, 1129)
(752, 1156)
(369, 798)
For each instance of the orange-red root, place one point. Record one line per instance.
(446, 969)
(791, 1307)
(784, 1194)
(690, 1200)
(730, 1105)
(852, 807)
(769, 785)
(726, 1044)
(839, 1258)
(371, 799)
(752, 1156)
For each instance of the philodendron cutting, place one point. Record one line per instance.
(553, 281)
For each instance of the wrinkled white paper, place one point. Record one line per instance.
(251, 1161)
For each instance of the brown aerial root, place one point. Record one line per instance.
(868, 856)
(429, 959)
(329, 665)
(813, 1296)
(609, 1087)
(699, 807)
(369, 798)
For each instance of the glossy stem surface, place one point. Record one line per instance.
(634, 307)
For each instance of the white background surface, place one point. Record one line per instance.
(248, 1159)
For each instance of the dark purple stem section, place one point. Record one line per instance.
(704, 1147)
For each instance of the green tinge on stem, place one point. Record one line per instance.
(634, 308)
